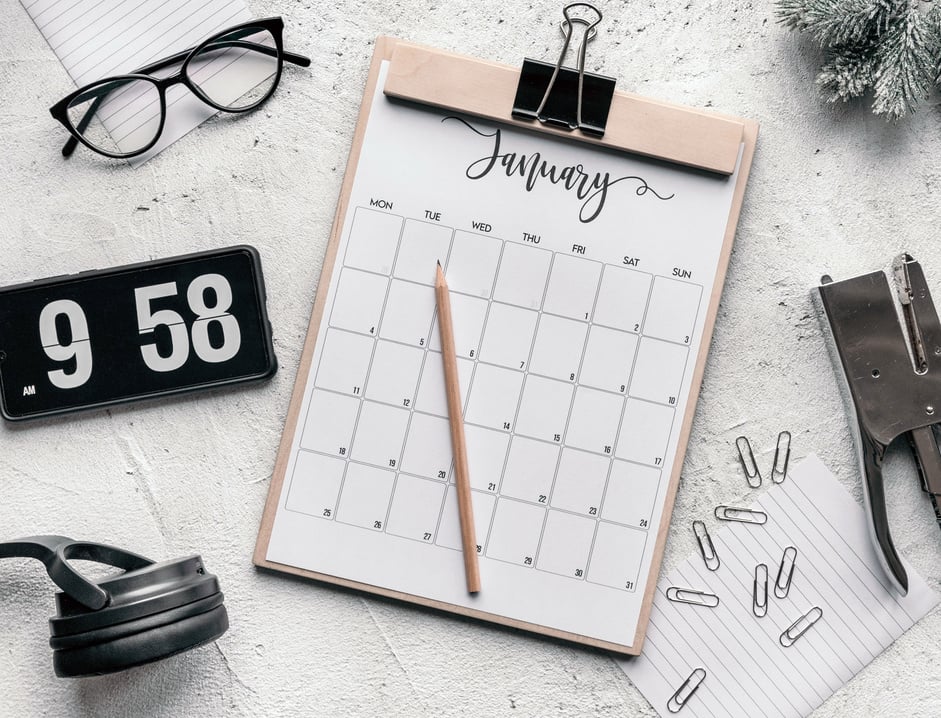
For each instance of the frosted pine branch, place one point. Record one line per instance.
(891, 48)
(904, 66)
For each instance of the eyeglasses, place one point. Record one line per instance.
(235, 70)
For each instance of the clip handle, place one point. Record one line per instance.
(927, 458)
(568, 28)
(871, 455)
(55, 552)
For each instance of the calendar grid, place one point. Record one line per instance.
(568, 418)
(411, 406)
(530, 410)
(481, 539)
(524, 370)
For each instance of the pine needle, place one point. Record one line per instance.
(847, 73)
(838, 22)
(933, 23)
(904, 68)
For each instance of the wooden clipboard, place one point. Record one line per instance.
(638, 125)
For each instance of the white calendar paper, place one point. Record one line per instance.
(580, 280)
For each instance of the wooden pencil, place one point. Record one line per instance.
(458, 444)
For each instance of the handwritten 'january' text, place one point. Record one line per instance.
(591, 188)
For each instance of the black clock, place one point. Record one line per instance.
(144, 330)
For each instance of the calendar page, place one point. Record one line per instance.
(579, 280)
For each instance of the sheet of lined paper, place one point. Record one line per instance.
(748, 671)
(101, 38)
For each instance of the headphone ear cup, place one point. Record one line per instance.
(97, 657)
(154, 612)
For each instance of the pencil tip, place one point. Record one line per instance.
(439, 264)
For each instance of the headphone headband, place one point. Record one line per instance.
(55, 552)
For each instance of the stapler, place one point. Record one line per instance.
(886, 345)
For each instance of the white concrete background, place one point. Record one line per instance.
(834, 191)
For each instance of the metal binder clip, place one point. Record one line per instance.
(800, 626)
(892, 382)
(689, 595)
(706, 548)
(785, 572)
(562, 96)
(679, 699)
(782, 455)
(745, 516)
(759, 598)
(749, 465)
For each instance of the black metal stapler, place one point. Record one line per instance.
(887, 347)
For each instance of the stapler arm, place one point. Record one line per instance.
(892, 382)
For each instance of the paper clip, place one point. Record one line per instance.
(706, 548)
(779, 470)
(787, 563)
(689, 595)
(745, 455)
(759, 606)
(800, 626)
(679, 699)
(745, 516)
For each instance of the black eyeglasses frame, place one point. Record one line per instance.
(275, 25)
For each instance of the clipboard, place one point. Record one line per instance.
(707, 143)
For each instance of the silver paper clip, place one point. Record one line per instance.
(800, 626)
(689, 595)
(759, 604)
(782, 455)
(706, 548)
(750, 466)
(679, 699)
(745, 516)
(781, 588)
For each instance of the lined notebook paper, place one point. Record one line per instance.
(102, 38)
(748, 671)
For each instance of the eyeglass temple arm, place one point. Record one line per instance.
(262, 49)
(70, 144)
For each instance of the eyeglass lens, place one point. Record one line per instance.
(236, 71)
(120, 116)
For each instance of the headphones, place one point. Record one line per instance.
(151, 611)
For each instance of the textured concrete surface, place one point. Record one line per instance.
(832, 190)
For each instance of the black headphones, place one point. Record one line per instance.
(151, 611)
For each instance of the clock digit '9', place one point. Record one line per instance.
(77, 346)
